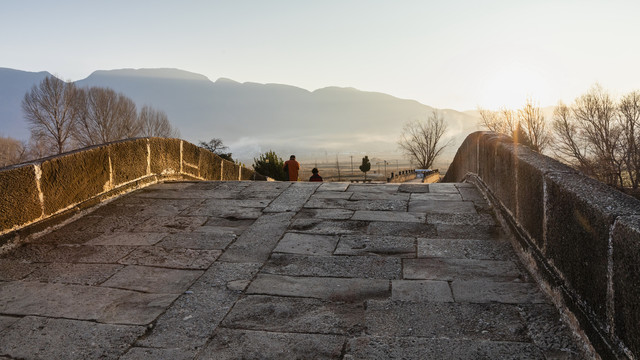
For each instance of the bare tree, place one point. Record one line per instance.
(12, 151)
(569, 145)
(531, 121)
(216, 146)
(52, 109)
(108, 116)
(156, 123)
(629, 112)
(421, 140)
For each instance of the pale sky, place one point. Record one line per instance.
(446, 53)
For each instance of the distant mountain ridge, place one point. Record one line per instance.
(250, 117)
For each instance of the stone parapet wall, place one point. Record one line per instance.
(41, 190)
(581, 236)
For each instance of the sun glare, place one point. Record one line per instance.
(510, 88)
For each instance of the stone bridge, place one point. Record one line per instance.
(157, 249)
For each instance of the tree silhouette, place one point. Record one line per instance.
(366, 166)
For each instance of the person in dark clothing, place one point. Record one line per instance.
(315, 176)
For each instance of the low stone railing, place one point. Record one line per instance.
(581, 236)
(37, 194)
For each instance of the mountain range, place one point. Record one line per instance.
(252, 118)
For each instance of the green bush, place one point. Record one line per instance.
(271, 165)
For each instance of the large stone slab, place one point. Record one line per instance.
(368, 267)
(377, 205)
(256, 243)
(482, 291)
(306, 244)
(298, 315)
(194, 316)
(153, 279)
(171, 224)
(293, 198)
(331, 194)
(461, 219)
(402, 229)
(496, 322)
(327, 214)
(450, 231)
(436, 197)
(171, 258)
(88, 254)
(80, 274)
(466, 249)
(45, 338)
(334, 289)
(143, 353)
(443, 188)
(384, 347)
(132, 239)
(388, 216)
(239, 344)
(375, 188)
(442, 207)
(215, 239)
(13, 269)
(376, 245)
(105, 305)
(460, 269)
(333, 186)
(363, 195)
(328, 227)
(421, 290)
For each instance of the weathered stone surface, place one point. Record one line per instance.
(368, 267)
(461, 219)
(443, 188)
(73, 178)
(229, 211)
(171, 258)
(80, 274)
(580, 218)
(334, 289)
(127, 239)
(374, 188)
(293, 198)
(319, 194)
(153, 279)
(436, 197)
(402, 229)
(143, 353)
(318, 226)
(450, 231)
(442, 207)
(298, 315)
(20, 202)
(44, 338)
(165, 155)
(6, 321)
(257, 242)
(234, 344)
(364, 195)
(497, 322)
(193, 317)
(377, 205)
(81, 302)
(466, 249)
(11, 269)
(554, 338)
(421, 290)
(128, 160)
(388, 216)
(171, 224)
(306, 244)
(626, 280)
(483, 291)
(470, 192)
(216, 239)
(459, 269)
(376, 245)
(327, 214)
(333, 186)
(414, 188)
(87, 254)
(378, 347)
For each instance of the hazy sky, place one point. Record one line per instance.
(444, 53)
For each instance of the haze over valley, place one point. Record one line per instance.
(252, 118)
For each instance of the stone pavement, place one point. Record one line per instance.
(278, 270)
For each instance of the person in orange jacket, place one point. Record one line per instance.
(291, 167)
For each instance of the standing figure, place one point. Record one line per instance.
(291, 167)
(315, 176)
